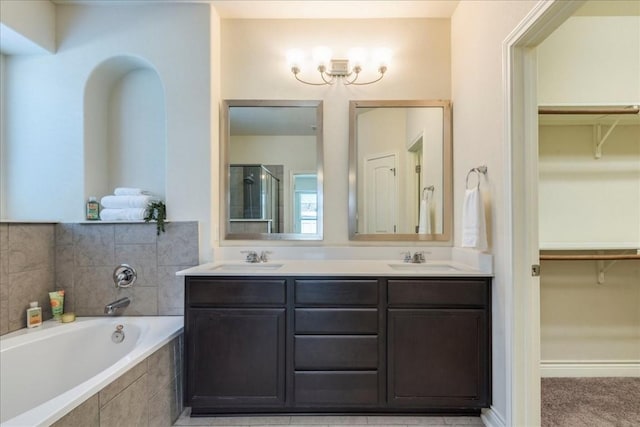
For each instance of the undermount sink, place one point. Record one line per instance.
(427, 266)
(247, 266)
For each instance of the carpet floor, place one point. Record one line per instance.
(590, 402)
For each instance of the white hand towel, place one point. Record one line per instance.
(123, 202)
(129, 191)
(424, 224)
(131, 214)
(474, 228)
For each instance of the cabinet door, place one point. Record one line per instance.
(236, 358)
(438, 358)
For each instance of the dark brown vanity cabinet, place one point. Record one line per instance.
(438, 340)
(336, 343)
(261, 344)
(235, 344)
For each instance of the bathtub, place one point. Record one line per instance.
(49, 370)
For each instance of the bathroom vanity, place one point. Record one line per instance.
(322, 336)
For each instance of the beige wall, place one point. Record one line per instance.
(581, 320)
(591, 60)
(588, 202)
(254, 67)
(478, 29)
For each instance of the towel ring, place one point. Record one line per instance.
(478, 170)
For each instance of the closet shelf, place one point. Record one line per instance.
(604, 261)
(597, 116)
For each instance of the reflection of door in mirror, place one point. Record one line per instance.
(380, 194)
(400, 184)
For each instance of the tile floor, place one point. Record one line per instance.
(328, 421)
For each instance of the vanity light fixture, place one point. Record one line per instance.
(331, 69)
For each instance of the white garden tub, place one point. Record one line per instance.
(47, 371)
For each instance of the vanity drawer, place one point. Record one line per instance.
(439, 292)
(336, 352)
(336, 388)
(336, 292)
(336, 321)
(242, 291)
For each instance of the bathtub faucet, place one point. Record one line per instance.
(113, 306)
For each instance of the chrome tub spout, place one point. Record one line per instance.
(115, 305)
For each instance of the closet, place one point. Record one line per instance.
(589, 197)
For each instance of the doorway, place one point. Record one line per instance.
(520, 53)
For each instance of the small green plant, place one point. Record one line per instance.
(157, 211)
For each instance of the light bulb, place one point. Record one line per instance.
(382, 56)
(321, 56)
(295, 57)
(357, 57)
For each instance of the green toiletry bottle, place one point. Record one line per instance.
(93, 209)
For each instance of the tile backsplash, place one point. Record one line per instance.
(80, 258)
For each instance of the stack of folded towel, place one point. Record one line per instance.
(126, 204)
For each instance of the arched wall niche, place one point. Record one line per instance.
(125, 132)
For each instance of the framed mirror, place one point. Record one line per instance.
(400, 170)
(271, 167)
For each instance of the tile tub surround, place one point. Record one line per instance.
(37, 258)
(27, 271)
(149, 394)
(86, 255)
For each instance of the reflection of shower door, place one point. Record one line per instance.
(380, 194)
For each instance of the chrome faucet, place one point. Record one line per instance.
(252, 256)
(416, 258)
(115, 305)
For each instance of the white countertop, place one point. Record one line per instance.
(378, 268)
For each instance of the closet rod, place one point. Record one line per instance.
(600, 257)
(589, 110)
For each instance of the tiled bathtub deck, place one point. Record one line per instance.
(328, 421)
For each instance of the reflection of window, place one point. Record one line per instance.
(305, 209)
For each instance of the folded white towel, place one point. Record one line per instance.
(123, 202)
(129, 191)
(424, 224)
(474, 228)
(131, 214)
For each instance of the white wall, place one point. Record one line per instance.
(28, 26)
(3, 112)
(591, 60)
(44, 127)
(478, 29)
(254, 67)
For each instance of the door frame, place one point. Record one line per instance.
(521, 135)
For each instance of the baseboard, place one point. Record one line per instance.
(590, 368)
(492, 418)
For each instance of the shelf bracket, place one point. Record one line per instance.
(600, 140)
(603, 267)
